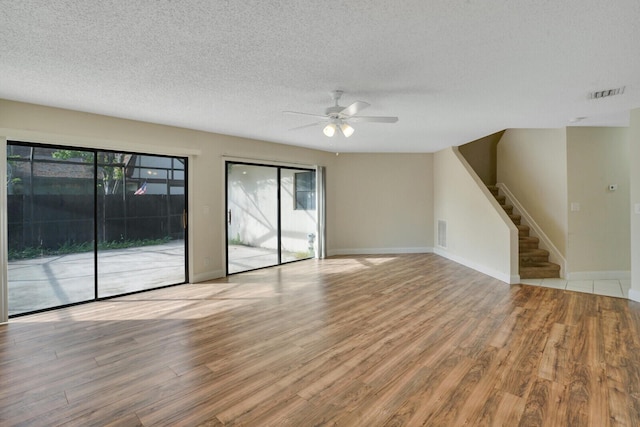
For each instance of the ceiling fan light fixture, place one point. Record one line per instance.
(329, 130)
(347, 130)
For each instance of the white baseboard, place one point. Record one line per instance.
(380, 251)
(634, 295)
(599, 275)
(510, 279)
(208, 275)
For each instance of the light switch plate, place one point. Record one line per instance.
(575, 207)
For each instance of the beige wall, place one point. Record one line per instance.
(382, 203)
(479, 233)
(598, 239)
(532, 163)
(634, 173)
(481, 155)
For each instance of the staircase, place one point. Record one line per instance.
(534, 262)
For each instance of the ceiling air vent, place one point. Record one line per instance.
(606, 93)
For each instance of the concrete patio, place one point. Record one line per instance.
(35, 284)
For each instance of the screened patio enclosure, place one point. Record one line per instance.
(86, 224)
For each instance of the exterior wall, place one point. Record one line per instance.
(383, 203)
(479, 234)
(634, 172)
(598, 238)
(532, 163)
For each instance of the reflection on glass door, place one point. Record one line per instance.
(141, 233)
(271, 215)
(50, 227)
(252, 217)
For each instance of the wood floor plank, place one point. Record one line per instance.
(352, 340)
(555, 360)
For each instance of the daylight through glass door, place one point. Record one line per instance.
(86, 224)
(271, 215)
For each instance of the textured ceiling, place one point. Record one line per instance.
(451, 70)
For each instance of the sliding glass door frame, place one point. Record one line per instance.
(278, 168)
(96, 223)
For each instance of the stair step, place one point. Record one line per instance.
(523, 230)
(528, 242)
(501, 199)
(532, 256)
(494, 190)
(542, 270)
(508, 209)
(515, 218)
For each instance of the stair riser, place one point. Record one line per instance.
(527, 245)
(508, 209)
(523, 233)
(533, 260)
(540, 274)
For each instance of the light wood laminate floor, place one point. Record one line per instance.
(348, 341)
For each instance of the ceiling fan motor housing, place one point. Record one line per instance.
(334, 111)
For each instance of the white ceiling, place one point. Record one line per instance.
(451, 70)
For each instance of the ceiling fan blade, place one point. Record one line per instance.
(354, 108)
(298, 113)
(373, 119)
(308, 126)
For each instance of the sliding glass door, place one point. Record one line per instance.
(141, 216)
(252, 217)
(271, 215)
(87, 224)
(51, 221)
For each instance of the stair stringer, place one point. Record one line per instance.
(555, 255)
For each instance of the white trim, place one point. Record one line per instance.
(266, 162)
(634, 295)
(381, 251)
(545, 242)
(599, 275)
(206, 276)
(513, 279)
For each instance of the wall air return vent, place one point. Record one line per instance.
(606, 93)
(442, 233)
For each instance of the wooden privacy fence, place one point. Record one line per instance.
(50, 221)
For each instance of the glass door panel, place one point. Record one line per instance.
(252, 217)
(298, 214)
(50, 200)
(141, 230)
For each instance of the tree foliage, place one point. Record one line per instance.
(110, 166)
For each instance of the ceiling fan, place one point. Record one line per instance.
(339, 119)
